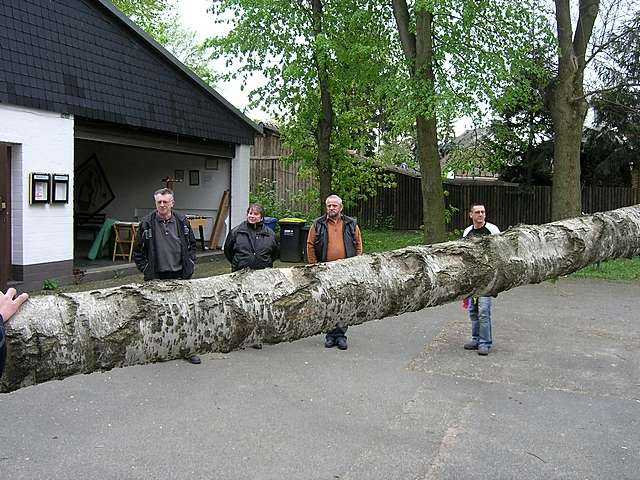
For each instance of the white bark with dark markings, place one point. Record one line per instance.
(60, 335)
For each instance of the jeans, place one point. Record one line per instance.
(480, 316)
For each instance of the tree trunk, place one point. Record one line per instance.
(325, 121)
(59, 335)
(568, 121)
(418, 50)
(569, 107)
(431, 181)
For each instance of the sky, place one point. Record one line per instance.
(195, 17)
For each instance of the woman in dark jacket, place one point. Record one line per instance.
(251, 244)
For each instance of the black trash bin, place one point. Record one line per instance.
(304, 233)
(290, 233)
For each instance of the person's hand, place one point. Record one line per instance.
(10, 305)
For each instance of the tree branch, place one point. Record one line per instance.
(563, 24)
(403, 20)
(605, 90)
(584, 28)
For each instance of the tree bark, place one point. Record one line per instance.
(60, 335)
(431, 180)
(568, 107)
(326, 118)
(427, 136)
(418, 50)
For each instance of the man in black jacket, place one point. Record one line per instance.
(251, 244)
(166, 246)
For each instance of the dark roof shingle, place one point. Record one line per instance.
(84, 58)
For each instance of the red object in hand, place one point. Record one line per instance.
(465, 303)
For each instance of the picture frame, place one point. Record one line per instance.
(211, 163)
(194, 177)
(178, 175)
(92, 191)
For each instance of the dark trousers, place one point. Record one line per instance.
(170, 275)
(337, 332)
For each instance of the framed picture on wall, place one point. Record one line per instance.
(178, 175)
(211, 163)
(194, 177)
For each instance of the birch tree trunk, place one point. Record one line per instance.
(60, 335)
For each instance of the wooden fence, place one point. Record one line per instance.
(288, 183)
(400, 208)
(506, 204)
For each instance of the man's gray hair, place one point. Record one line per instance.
(333, 197)
(163, 191)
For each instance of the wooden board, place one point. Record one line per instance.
(218, 225)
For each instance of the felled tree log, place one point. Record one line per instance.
(60, 335)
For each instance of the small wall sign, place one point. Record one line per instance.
(60, 188)
(39, 187)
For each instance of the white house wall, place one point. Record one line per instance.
(41, 142)
(240, 185)
(135, 173)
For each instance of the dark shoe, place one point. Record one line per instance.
(194, 359)
(483, 350)
(342, 343)
(257, 346)
(330, 342)
(472, 345)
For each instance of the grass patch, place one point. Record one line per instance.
(385, 240)
(618, 269)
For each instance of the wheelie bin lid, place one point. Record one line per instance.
(292, 220)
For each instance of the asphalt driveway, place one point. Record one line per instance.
(557, 398)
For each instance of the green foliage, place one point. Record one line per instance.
(509, 78)
(284, 41)
(520, 135)
(606, 157)
(470, 158)
(150, 15)
(51, 284)
(455, 234)
(479, 48)
(398, 152)
(480, 51)
(383, 222)
(266, 195)
(612, 146)
(449, 212)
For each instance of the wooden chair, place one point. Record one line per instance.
(125, 239)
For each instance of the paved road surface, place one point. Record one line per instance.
(558, 398)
